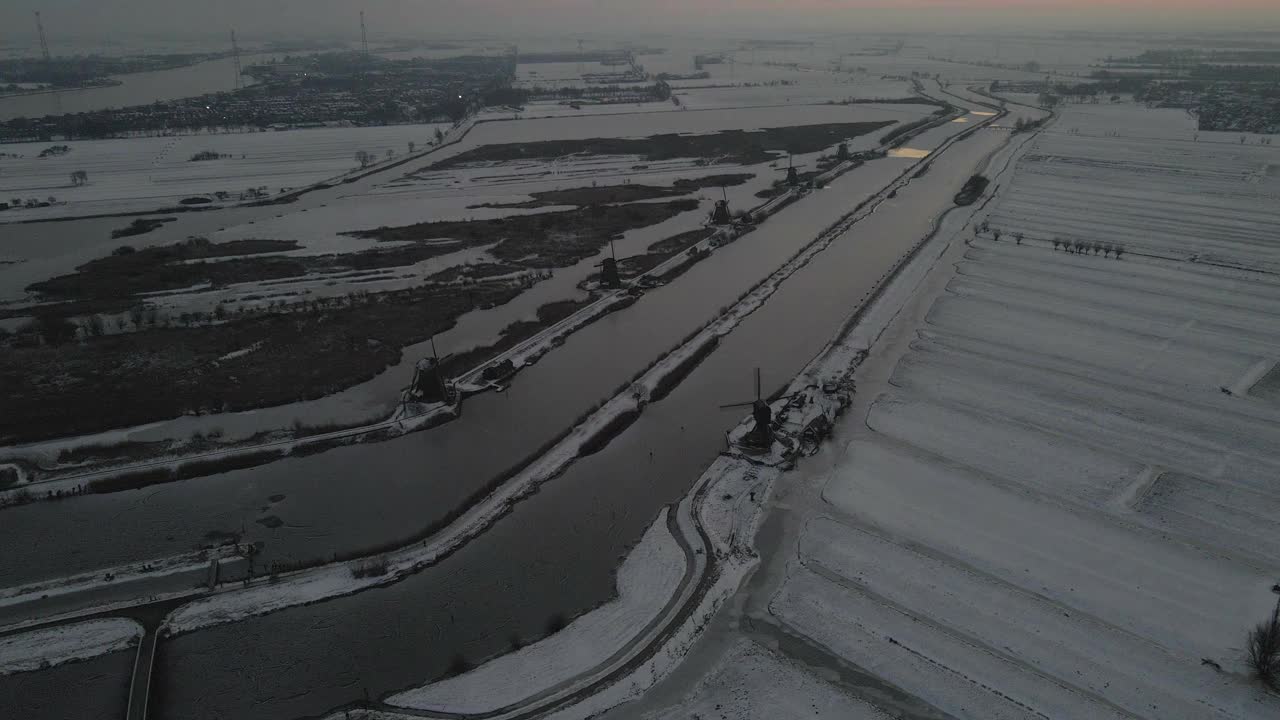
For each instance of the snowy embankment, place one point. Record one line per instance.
(42, 649)
(1059, 503)
(530, 351)
(407, 418)
(647, 580)
(166, 567)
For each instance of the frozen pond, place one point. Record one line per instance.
(135, 89)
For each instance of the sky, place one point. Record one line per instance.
(194, 18)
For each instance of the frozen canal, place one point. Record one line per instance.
(370, 495)
(96, 689)
(556, 553)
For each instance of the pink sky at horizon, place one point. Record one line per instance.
(186, 17)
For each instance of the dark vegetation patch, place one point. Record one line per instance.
(476, 271)
(127, 271)
(600, 438)
(730, 146)
(513, 334)
(8, 477)
(376, 567)
(222, 536)
(155, 374)
(622, 193)
(70, 308)
(106, 282)
(678, 243)
(270, 522)
(682, 370)
(657, 253)
(902, 133)
(128, 450)
(141, 226)
(972, 190)
(553, 239)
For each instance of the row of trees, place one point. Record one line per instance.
(1077, 247)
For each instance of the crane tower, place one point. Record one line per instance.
(364, 37)
(44, 42)
(235, 50)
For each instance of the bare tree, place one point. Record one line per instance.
(1018, 237)
(412, 146)
(995, 234)
(1119, 251)
(1097, 247)
(1263, 649)
(94, 326)
(1056, 243)
(79, 177)
(364, 158)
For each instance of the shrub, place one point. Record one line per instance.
(1263, 649)
(556, 623)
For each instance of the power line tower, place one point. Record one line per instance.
(235, 50)
(44, 42)
(364, 38)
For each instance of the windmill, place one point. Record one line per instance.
(428, 384)
(761, 435)
(609, 269)
(721, 216)
(793, 176)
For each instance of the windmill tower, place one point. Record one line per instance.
(609, 276)
(44, 42)
(721, 216)
(235, 50)
(429, 385)
(761, 434)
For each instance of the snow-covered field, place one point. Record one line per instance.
(1150, 186)
(647, 580)
(148, 173)
(1057, 499)
(40, 649)
(751, 682)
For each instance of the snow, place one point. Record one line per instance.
(40, 649)
(647, 580)
(750, 682)
(141, 174)
(192, 562)
(1055, 500)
